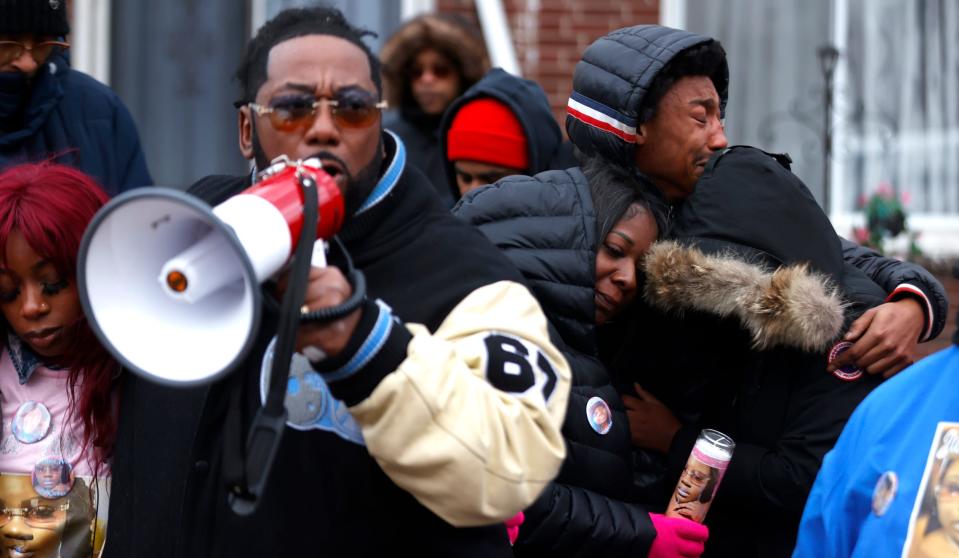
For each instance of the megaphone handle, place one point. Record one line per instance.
(319, 253)
(269, 423)
(358, 283)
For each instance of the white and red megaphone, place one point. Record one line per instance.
(171, 285)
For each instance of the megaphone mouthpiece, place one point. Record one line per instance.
(177, 281)
(201, 269)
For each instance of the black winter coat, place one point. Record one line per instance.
(83, 123)
(420, 134)
(546, 226)
(729, 345)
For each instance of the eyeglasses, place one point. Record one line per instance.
(36, 514)
(353, 109)
(12, 50)
(948, 489)
(439, 71)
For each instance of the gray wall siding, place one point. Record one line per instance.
(172, 63)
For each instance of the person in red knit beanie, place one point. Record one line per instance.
(485, 143)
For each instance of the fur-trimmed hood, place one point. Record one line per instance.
(451, 35)
(791, 306)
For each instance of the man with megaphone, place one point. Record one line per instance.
(418, 422)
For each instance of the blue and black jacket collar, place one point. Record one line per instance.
(25, 361)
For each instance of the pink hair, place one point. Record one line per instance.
(51, 205)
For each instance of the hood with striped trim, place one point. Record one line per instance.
(611, 80)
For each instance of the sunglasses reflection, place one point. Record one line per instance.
(38, 527)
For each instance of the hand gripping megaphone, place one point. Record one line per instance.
(170, 285)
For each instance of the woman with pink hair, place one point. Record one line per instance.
(57, 382)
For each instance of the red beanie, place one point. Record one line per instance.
(487, 131)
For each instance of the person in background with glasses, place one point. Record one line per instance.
(427, 63)
(447, 368)
(48, 109)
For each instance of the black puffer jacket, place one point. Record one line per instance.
(546, 226)
(528, 102)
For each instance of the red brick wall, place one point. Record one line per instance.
(549, 40)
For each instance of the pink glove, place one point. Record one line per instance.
(512, 526)
(677, 537)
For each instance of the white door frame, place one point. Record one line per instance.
(90, 38)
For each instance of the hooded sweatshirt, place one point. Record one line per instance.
(528, 102)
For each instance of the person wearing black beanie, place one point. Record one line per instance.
(50, 111)
(38, 17)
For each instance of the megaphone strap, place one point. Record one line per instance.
(234, 457)
(266, 430)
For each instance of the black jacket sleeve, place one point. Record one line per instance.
(901, 279)
(571, 521)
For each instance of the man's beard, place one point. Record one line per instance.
(358, 186)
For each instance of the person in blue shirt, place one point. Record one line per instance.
(890, 487)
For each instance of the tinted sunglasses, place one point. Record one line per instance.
(440, 71)
(353, 108)
(12, 50)
(36, 514)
